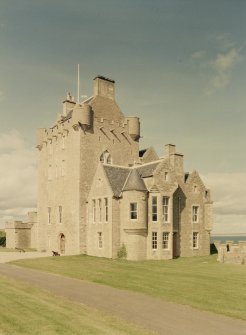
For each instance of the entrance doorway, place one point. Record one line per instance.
(62, 243)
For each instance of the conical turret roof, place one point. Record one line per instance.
(134, 182)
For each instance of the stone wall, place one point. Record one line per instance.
(231, 253)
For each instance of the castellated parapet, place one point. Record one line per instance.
(231, 253)
(98, 194)
(69, 153)
(21, 234)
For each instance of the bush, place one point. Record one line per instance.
(3, 241)
(122, 252)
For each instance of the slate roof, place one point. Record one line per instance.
(147, 170)
(128, 179)
(134, 182)
(117, 177)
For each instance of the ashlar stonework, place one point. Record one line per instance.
(98, 193)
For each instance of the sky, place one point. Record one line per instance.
(179, 65)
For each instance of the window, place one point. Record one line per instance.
(165, 209)
(94, 210)
(50, 148)
(49, 172)
(106, 209)
(154, 208)
(133, 211)
(154, 240)
(100, 240)
(63, 168)
(63, 142)
(102, 158)
(195, 213)
(109, 159)
(165, 240)
(60, 214)
(166, 176)
(100, 209)
(49, 215)
(195, 240)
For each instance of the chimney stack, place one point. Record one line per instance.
(103, 87)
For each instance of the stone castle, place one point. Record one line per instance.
(98, 194)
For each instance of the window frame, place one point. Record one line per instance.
(195, 240)
(133, 211)
(100, 241)
(165, 240)
(63, 168)
(100, 209)
(154, 208)
(154, 240)
(195, 213)
(49, 215)
(165, 209)
(49, 172)
(59, 214)
(106, 209)
(94, 211)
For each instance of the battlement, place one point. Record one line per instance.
(232, 253)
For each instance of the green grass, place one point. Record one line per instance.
(28, 311)
(200, 282)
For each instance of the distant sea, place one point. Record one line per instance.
(223, 238)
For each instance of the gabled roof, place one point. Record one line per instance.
(148, 155)
(147, 170)
(134, 182)
(117, 177)
(128, 178)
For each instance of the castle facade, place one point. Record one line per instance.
(98, 194)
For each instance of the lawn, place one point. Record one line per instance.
(200, 282)
(28, 311)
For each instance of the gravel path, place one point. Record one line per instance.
(150, 313)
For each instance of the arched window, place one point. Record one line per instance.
(106, 158)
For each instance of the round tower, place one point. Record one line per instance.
(134, 127)
(82, 115)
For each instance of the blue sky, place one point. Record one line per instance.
(178, 65)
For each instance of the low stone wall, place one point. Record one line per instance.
(231, 253)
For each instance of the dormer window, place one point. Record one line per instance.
(106, 158)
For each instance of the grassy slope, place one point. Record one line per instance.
(28, 311)
(199, 281)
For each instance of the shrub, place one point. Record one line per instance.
(122, 252)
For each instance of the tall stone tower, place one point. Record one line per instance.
(69, 153)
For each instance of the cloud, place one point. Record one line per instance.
(221, 66)
(224, 41)
(229, 200)
(224, 62)
(18, 177)
(198, 54)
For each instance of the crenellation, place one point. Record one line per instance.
(98, 192)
